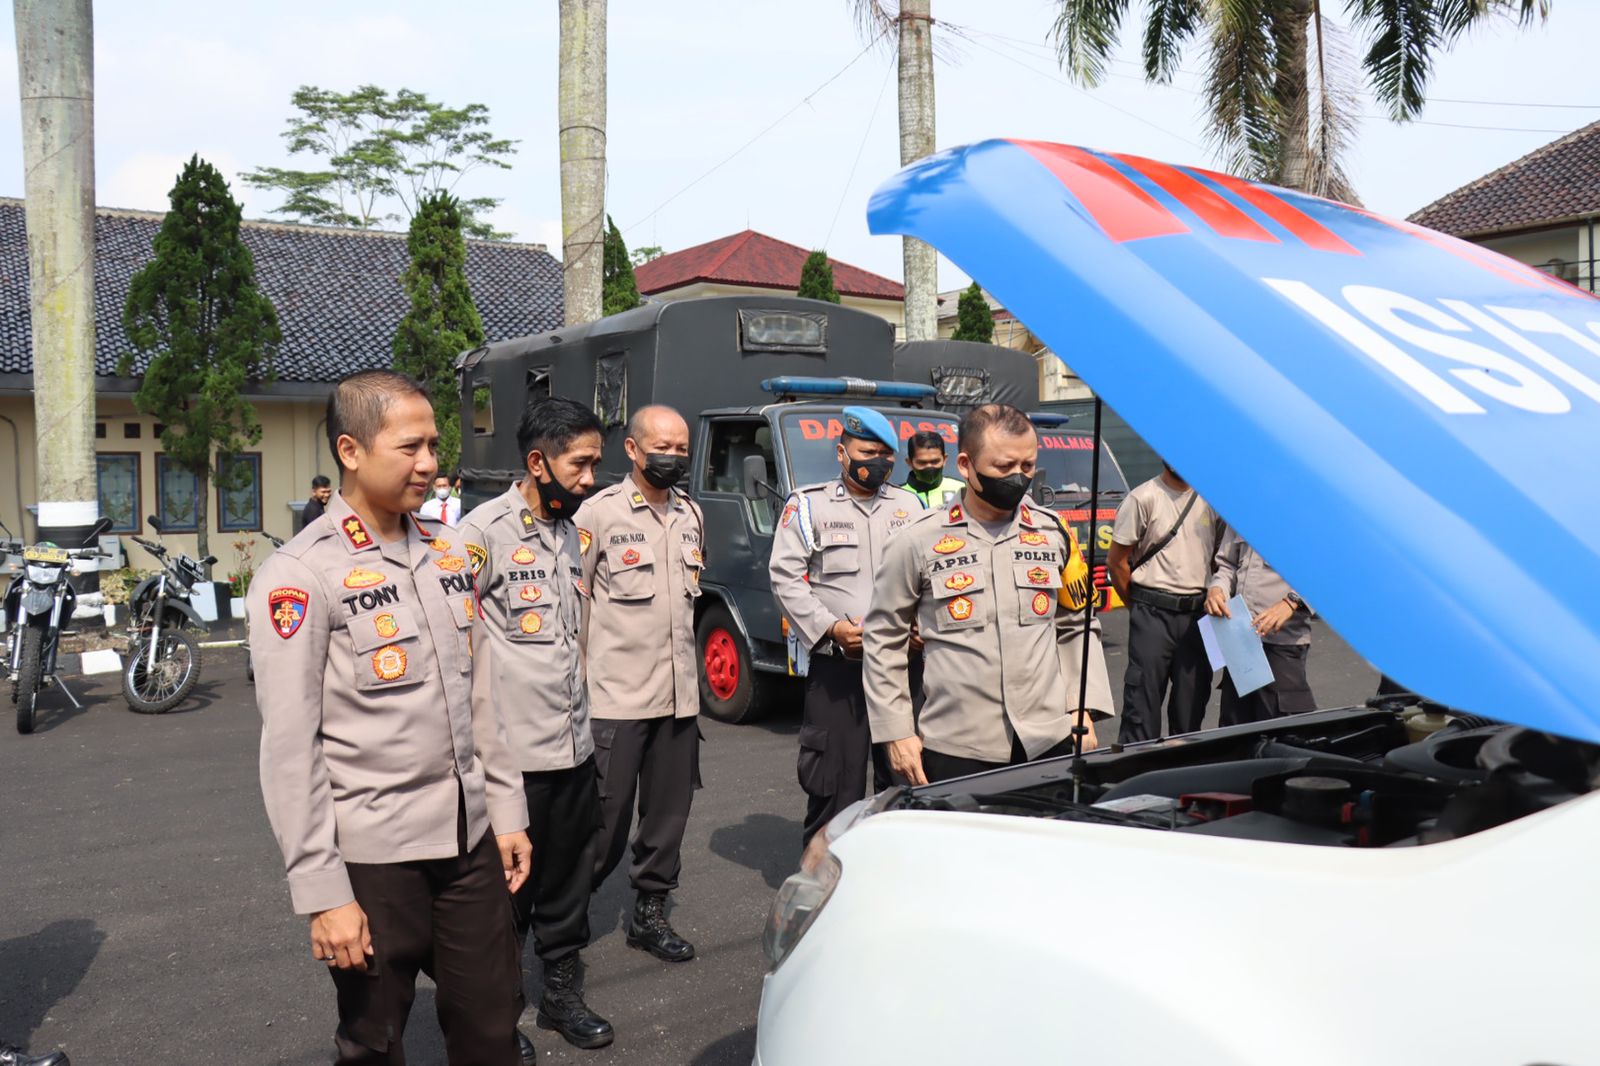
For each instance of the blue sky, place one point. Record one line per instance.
(692, 82)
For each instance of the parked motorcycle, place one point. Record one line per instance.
(36, 603)
(249, 666)
(163, 664)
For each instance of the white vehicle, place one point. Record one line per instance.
(1401, 883)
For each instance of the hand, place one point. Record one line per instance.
(916, 641)
(847, 635)
(1272, 619)
(1090, 740)
(516, 858)
(905, 759)
(1217, 603)
(339, 937)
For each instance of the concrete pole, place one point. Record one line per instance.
(916, 142)
(55, 70)
(582, 117)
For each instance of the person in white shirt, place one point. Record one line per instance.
(442, 506)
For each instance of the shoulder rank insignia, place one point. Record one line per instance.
(1027, 515)
(955, 513)
(960, 608)
(355, 532)
(530, 622)
(947, 544)
(1041, 603)
(638, 499)
(585, 538)
(527, 520)
(959, 582)
(288, 607)
(363, 579)
(389, 663)
(453, 563)
(523, 555)
(477, 555)
(1033, 538)
(386, 625)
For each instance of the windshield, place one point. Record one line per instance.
(810, 436)
(1065, 460)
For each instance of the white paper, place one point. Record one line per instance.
(1238, 646)
(1208, 637)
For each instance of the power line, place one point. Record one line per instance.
(889, 69)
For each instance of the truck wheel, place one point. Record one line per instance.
(730, 688)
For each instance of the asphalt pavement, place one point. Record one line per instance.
(145, 917)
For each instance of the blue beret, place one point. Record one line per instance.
(867, 424)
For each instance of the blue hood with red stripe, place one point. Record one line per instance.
(1405, 425)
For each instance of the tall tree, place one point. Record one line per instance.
(582, 107)
(1280, 85)
(816, 278)
(911, 24)
(55, 73)
(974, 319)
(619, 288)
(442, 321)
(195, 313)
(379, 155)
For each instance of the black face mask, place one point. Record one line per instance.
(559, 500)
(663, 469)
(1002, 493)
(927, 480)
(870, 474)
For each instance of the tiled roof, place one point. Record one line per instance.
(1557, 183)
(752, 258)
(337, 291)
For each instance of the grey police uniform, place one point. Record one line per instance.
(1004, 652)
(530, 667)
(642, 569)
(384, 781)
(1240, 571)
(827, 550)
(1165, 602)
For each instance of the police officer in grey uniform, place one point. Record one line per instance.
(1282, 620)
(529, 665)
(829, 544)
(1162, 545)
(642, 557)
(998, 591)
(392, 794)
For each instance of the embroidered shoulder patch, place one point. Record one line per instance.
(947, 544)
(477, 555)
(288, 608)
(585, 538)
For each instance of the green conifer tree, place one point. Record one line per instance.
(816, 278)
(442, 322)
(619, 290)
(208, 332)
(974, 320)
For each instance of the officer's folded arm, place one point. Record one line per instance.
(886, 639)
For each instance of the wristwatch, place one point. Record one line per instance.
(1294, 600)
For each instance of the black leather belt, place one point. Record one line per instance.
(1167, 601)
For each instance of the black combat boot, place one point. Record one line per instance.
(525, 1048)
(649, 930)
(562, 1009)
(15, 1056)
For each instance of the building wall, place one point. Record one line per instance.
(1569, 244)
(293, 449)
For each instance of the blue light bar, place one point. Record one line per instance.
(1048, 419)
(887, 390)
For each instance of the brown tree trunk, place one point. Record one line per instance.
(1295, 169)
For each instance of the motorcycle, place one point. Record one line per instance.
(163, 664)
(35, 605)
(249, 666)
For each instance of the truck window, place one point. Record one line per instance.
(730, 442)
(810, 436)
(1065, 460)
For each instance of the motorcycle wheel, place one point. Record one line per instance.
(177, 671)
(26, 693)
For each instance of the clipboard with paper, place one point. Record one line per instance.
(1233, 644)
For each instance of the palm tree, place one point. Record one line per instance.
(1280, 97)
(911, 24)
(582, 115)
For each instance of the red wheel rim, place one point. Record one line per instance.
(722, 664)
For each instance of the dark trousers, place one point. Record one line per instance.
(563, 823)
(1164, 650)
(1289, 693)
(655, 761)
(452, 919)
(836, 743)
(937, 766)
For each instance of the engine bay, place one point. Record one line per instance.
(1398, 772)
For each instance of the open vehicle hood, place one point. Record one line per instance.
(1404, 424)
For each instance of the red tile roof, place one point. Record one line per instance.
(752, 258)
(1557, 183)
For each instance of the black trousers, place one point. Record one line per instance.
(836, 742)
(1164, 650)
(937, 766)
(452, 919)
(656, 762)
(563, 823)
(1289, 693)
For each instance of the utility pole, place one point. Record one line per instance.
(916, 142)
(55, 71)
(582, 116)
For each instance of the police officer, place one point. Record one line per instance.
(997, 590)
(828, 547)
(642, 557)
(392, 795)
(530, 666)
(1282, 620)
(925, 456)
(1162, 545)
